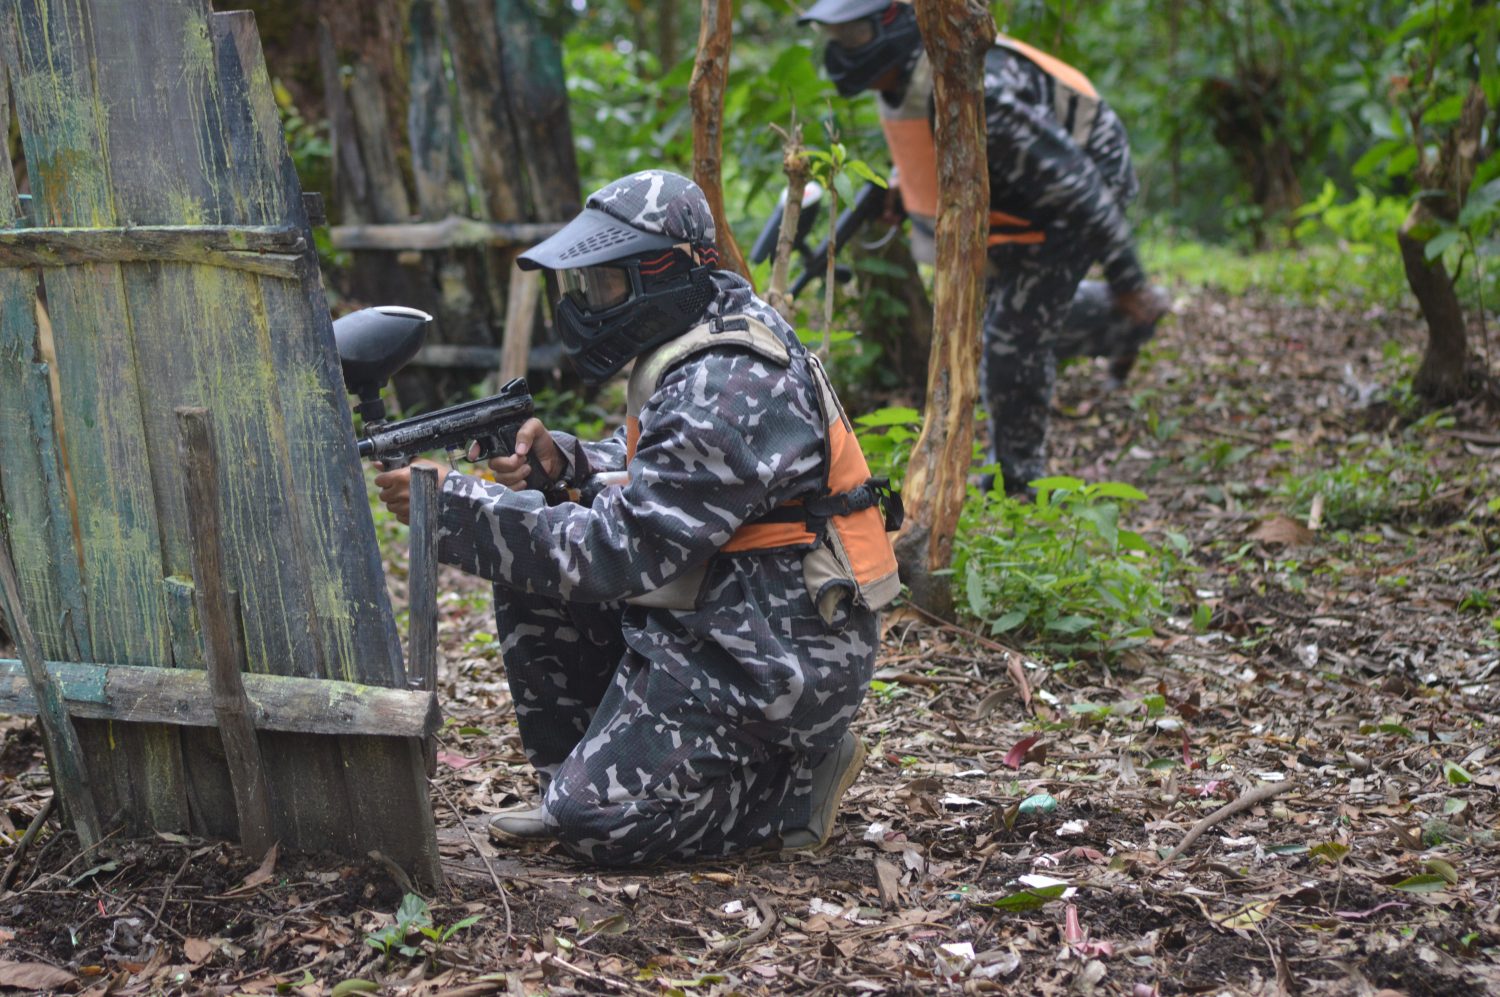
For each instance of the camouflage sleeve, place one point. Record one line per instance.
(1030, 154)
(584, 459)
(726, 437)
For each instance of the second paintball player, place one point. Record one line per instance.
(1060, 178)
(686, 652)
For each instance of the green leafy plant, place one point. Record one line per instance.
(1375, 483)
(1061, 570)
(414, 932)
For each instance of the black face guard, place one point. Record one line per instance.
(668, 296)
(895, 45)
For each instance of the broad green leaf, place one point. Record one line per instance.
(1456, 775)
(1439, 243)
(1008, 621)
(1438, 867)
(1027, 899)
(893, 416)
(355, 986)
(1119, 490)
(1426, 882)
(1330, 851)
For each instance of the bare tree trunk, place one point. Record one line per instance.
(706, 91)
(957, 34)
(1443, 377)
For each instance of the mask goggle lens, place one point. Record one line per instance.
(850, 34)
(596, 288)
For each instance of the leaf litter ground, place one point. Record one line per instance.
(988, 845)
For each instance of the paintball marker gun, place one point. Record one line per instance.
(373, 344)
(868, 205)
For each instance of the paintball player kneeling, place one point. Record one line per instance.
(686, 653)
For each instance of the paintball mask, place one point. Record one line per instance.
(635, 268)
(865, 39)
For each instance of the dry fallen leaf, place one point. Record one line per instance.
(33, 976)
(1283, 530)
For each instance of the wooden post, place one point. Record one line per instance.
(520, 315)
(957, 34)
(421, 580)
(706, 92)
(421, 590)
(70, 778)
(218, 611)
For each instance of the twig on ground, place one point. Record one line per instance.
(1245, 801)
(19, 854)
(767, 923)
(488, 865)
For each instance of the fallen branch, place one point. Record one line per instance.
(767, 922)
(1245, 801)
(488, 865)
(18, 854)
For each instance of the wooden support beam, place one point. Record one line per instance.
(421, 588)
(143, 694)
(421, 581)
(64, 753)
(450, 233)
(267, 250)
(218, 613)
(520, 315)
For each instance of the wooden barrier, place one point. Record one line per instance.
(168, 249)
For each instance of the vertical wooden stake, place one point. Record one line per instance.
(70, 778)
(796, 167)
(421, 589)
(706, 93)
(222, 644)
(957, 34)
(520, 314)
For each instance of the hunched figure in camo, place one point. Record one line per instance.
(676, 699)
(1060, 179)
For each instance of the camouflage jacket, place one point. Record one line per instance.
(726, 437)
(1038, 172)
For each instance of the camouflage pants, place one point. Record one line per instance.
(634, 766)
(1026, 329)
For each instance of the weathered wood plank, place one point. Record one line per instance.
(356, 624)
(385, 790)
(422, 580)
(27, 505)
(271, 251)
(452, 232)
(65, 758)
(182, 610)
(281, 703)
(520, 318)
(218, 610)
(436, 168)
(62, 130)
(200, 332)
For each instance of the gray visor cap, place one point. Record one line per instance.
(592, 238)
(840, 11)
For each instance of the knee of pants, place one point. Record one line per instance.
(601, 833)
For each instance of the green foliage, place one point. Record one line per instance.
(1062, 570)
(1376, 482)
(886, 436)
(414, 932)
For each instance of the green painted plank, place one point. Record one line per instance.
(41, 544)
(61, 120)
(342, 557)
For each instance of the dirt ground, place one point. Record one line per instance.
(1355, 668)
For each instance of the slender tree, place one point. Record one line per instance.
(957, 34)
(706, 92)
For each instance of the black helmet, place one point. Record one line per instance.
(866, 39)
(635, 268)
